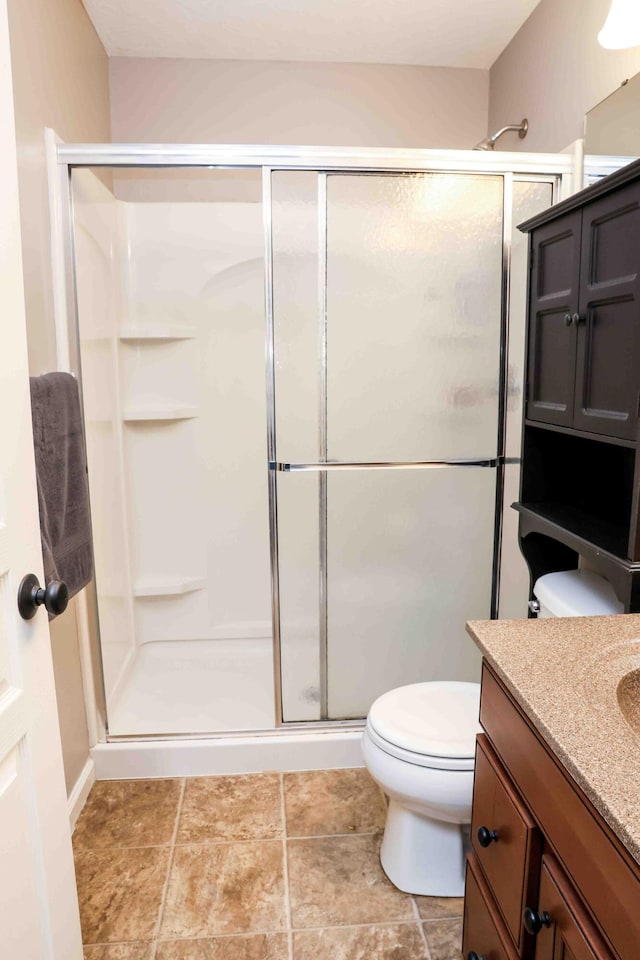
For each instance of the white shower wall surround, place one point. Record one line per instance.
(170, 284)
(170, 301)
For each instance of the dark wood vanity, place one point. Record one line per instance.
(547, 878)
(580, 487)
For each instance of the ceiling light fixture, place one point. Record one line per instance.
(622, 26)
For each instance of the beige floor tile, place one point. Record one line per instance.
(120, 892)
(128, 813)
(269, 946)
(244, 807)
(440, 908)
(225, 888)
(444, 938)
(339, 880)
(119, 951)
(393, 942)
(323, 802)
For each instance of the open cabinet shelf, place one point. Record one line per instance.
(577, 528)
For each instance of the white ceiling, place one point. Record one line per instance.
(450, 33)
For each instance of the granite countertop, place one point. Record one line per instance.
(565, 674)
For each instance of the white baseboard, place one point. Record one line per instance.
(145, 759)
(80, 792)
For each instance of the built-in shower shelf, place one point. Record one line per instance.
(145, 414)
(159, 332)
(168, 586)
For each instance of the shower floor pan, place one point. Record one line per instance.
(196, 686)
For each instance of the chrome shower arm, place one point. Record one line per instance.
(489, 142)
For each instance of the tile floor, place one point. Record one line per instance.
(253, 867)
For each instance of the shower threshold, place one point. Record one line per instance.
(196, 686)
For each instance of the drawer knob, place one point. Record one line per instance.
(486, 836)
(568, 319)
(534, 921)
(472, 955)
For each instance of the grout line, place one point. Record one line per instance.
(165, 889)
(270, 932)
(287, 894)
(214, 843)
(421, 928)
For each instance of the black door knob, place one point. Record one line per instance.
(534, 921)
(486, 836)
(31, 596)
(472, 955)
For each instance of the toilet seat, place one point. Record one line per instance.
(431, 724)
(419, 759)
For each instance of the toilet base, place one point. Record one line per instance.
(422, 856)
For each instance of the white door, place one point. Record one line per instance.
(38, 905)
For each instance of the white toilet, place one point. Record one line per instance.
(419, 746)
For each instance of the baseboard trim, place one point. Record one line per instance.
(206, 758)
(80, 792)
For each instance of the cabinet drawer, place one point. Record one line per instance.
(567, 931)
(484, 932)
(510, 856)
(601, 870)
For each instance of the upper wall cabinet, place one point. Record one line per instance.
(583, 369)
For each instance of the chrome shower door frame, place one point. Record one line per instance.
(555, 169)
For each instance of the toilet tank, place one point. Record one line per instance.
(575, 593)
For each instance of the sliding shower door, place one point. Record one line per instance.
(387, 310)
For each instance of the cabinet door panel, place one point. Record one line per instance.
(608, 346)
(571, 934)
(511, 861)
(553, 297)
(483, 933)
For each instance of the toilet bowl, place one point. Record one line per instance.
(419, 746)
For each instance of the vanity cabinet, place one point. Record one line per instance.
(547, 879)
(580, 488)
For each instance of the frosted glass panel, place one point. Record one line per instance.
(295, 307)
(413, 313)
(529, 198)
(409, 561)
(299, 566)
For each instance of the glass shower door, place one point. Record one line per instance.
(387, 306)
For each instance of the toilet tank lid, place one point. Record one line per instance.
(576, 593)
(437, 718)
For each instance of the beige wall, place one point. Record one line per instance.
(553, 71)
(208, 101)
(60, 77)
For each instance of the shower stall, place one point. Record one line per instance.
(300, 373)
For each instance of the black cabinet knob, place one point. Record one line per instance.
(472, 955)
(486, 836)
(534, 921)
(568, 319)
(31, 596)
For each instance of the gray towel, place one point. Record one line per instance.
(63, 497)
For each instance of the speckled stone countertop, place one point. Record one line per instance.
(565, 674)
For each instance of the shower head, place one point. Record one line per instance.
(489, 142)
